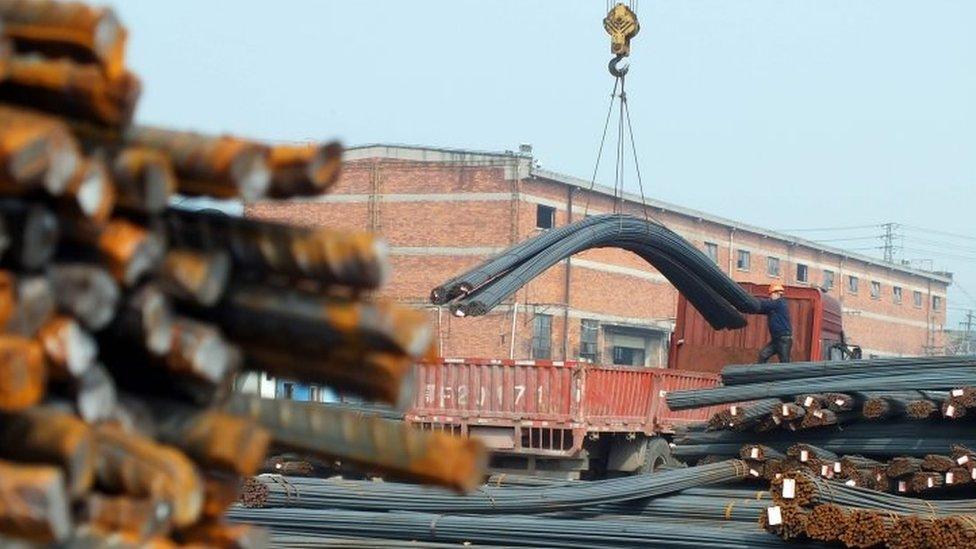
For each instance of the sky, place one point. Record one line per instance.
(788, 114)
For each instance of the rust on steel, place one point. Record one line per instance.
(196, 276)
(378, 444)
(34, 503)
(141, 517)
(53, 437)
(356, 260)
(305, 169)
(70, 350)
(199, 350)
(221, 490)
(144, 179)
(376, 376)
(140, 467)
(130, 250)
(217, 166)
(65, 88)
(214, 439)
(24, 150)
(61, 157)
(305, 321)
(85, 33)
(23, 375)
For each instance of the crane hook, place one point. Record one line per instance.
(617, 72)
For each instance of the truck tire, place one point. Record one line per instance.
(657, 455)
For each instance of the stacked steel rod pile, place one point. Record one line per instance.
(125, 321)
(720, 300)
(683, 507)
(844, 443)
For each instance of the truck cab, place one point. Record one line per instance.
(818, 333)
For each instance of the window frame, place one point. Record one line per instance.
(875, 289)
(918, 300)
(537, 337)
(590, 326)
(806, 273)
(773, 260)
(897, 294)
(539, 210)
(711, 251)
(832, 277)
(853, 284)
(739, 255)
(936, 302)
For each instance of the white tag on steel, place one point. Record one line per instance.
(789, 488)
(775, 515)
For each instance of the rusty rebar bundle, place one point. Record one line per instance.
(123, 321)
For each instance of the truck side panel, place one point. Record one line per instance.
(696, 346)
(546, 407)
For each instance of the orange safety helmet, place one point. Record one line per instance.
(776, 288)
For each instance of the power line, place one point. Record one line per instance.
(944, 233)
(942, 254)
(848, 239)
(823, 229)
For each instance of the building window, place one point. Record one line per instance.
(917, 299)
(936, 303)
(828, 280)
(545, 217)
(772, 266)
(313, 393)
(288, 390)
(896, 293)
(743, 259)
(711, 250)
(852, 284)
(875, 289)
(628, 356)
(542, 336)
(802, 273)
(589, 329)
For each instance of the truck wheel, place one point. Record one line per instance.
(657, 454)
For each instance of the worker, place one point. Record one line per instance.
(780, 327)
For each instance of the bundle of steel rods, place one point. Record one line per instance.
(125, 321)
(922, 373)
(830, 511)
(844, 443)
(508, 530)
(278, 491)
(720, 300)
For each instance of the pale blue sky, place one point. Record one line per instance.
(782, 113)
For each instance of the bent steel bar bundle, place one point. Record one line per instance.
(720, 300)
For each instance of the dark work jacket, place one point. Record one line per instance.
(777, 316)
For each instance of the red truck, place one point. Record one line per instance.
(565, 418)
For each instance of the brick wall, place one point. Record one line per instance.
(442, 218)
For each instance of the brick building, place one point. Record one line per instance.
(443, 211)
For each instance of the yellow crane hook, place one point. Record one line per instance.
(622, 25)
